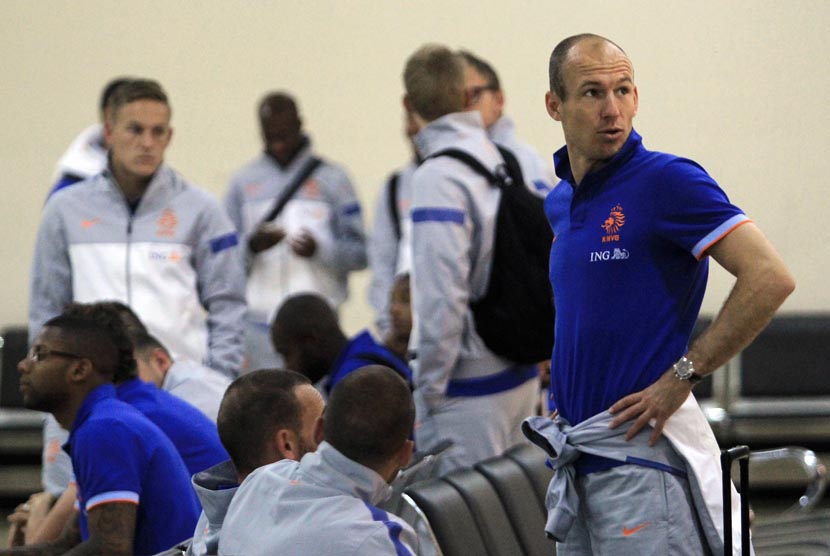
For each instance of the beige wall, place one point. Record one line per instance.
(740, 86)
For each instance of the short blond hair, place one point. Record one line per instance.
(434, 81)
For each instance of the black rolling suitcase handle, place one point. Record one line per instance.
(741, 453)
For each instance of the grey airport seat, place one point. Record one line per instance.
(449, 517)
(518, 497)
(488, 512)
(532, 461)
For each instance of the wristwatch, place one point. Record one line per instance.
(684, 369)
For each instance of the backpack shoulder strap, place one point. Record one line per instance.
(514, 169)
(470, 161)
(392, 203)
(292, 188)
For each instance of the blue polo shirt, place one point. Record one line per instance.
(118, 455)
(192, 433)
(628, 270)
(363, 350)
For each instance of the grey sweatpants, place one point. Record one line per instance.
(480, 426)
(634, 510)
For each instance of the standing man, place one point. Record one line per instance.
(629, 266)
(311, 244)
(463, 391)
(140, 234)
(134, 495)
(486, 95)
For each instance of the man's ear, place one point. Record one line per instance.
(553, 106)
(405, 453)
(287, 444)
(80, 370)
(499, 96)
(319, 431)
(161, 360)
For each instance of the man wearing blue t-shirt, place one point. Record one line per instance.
(629, 265)
(134, 495)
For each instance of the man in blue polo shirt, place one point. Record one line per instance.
(134, 495)
(629, 265)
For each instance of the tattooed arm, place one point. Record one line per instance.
(111, 530)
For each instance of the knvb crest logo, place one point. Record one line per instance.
(612, 224)
(167, 223)
(311, 189)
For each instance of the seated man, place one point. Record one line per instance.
(189, 380)
(133, 491)
(325, 503)
(266, 416)
(396, 338)
(193, 435)
(305, 332)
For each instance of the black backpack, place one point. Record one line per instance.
(515, 318)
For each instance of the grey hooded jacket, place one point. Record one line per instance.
(215, 487)
(323, 504)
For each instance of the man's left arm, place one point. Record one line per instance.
(348, 250)
(220, 270)
(762, 284)
(111, 530)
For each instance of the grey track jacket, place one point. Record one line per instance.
(538, 175)
(326, 205)
(175, 261)
(323, 504)
(453, 216)
(215, 487)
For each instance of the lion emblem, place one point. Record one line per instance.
(615, 220)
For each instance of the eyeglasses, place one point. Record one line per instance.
(475, 92)
(40, 353)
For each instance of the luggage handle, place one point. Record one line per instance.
(740, 453)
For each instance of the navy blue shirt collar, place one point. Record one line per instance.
(562, 162)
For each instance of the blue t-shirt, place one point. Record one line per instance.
(363, 350)
(118, 455)
(192, 433)
(628, 271)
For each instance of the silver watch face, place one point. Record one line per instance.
(684, 368)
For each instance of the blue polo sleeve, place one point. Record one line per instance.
(107, 462)
(692, 210)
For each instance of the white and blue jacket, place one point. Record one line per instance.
(173, 259)
(326, 206)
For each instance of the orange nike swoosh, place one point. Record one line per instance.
(628, 532)
(89, 223)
